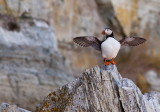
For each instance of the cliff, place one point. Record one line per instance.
(38, 55)
(74, 18)
(100, 90)
(31, 65)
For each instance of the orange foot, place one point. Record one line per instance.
(113, 62)
(107, 62)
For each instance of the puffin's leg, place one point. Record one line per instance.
(106, 63)
(113, 62)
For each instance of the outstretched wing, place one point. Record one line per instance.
(132, 41)
(87, 41)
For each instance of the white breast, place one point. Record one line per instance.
(110, 48)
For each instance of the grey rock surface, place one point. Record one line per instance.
(65, 16)
(31, 65)
(69, 19)
(140, 17)
(153, 80)
(5, 107)
(100, 90)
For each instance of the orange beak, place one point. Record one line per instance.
(103, 32)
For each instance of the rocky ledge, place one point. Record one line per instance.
(5, 107)
(100, 90)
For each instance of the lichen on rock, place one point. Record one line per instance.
(100, 90)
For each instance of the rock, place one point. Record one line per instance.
(5, 107)
(31, 65)
(80, 18)
(9, 22)
(153, 79)
(108, 15)
(69, 19)
(100, 90)
(142, 83)
(140, 17)
(75, 18)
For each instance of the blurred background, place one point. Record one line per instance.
(37, 54)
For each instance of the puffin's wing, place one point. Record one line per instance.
(132, 41)
(87, 41)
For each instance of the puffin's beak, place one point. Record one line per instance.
(103, 32)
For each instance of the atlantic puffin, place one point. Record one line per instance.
(109, 47)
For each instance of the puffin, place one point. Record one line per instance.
(109, 46)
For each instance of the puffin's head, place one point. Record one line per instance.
(107, 32)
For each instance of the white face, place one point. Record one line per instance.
(108, 31)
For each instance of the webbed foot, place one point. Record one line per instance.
(107, 62)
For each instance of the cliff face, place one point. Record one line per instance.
(69, 19)
(140, 17)
(30, 63)
(74, 18)
(31, 56)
